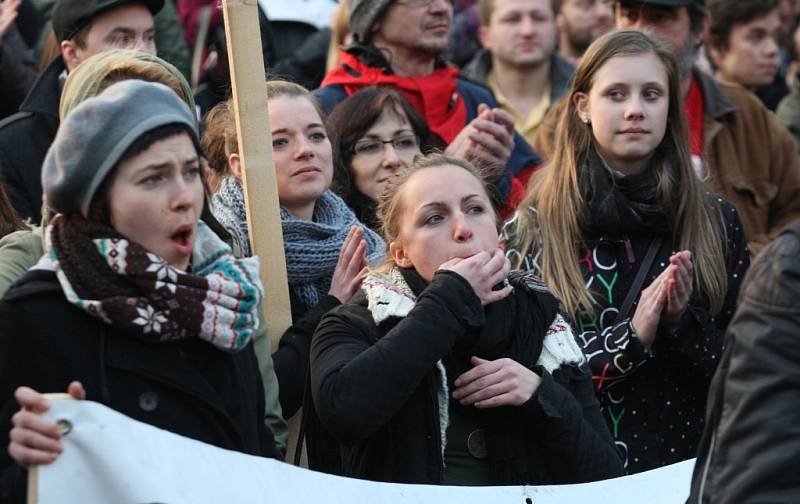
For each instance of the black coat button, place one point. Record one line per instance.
(148, 401)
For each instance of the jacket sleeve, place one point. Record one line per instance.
(613, 353)
(273, 415)
(700, 335)
(753, 428)
(19, 251)
(290, 361)
(577, 444)
(24, 360)
(358, 383)
(17, 71)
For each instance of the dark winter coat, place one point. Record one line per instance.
(751, 446)
(187, 387)
(378, 389)
(290, 360)
(653, 401)
(25, 138)
(17, 72)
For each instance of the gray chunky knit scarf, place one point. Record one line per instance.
(311, 247)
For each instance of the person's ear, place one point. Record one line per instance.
(71, 54)
(236, 166)
(483, 37)
(702, 33)
(581, 102)
(714, 54)
(398, 254)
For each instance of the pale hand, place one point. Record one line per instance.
(487, 141)
(483, 271)
(648, 312)
(501, 382)
(8, 13)
(351, 268)
(34, 439)
(679, 288)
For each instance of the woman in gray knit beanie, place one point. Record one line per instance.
(130, 272)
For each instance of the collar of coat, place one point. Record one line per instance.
(388, 295)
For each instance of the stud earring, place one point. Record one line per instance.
(586, 120)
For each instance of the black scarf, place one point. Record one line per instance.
(515, 327)
(621, 204)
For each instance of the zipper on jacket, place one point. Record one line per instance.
(706, 468)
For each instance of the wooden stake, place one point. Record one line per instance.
(248, 83)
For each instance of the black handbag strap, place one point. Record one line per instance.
(636, 287)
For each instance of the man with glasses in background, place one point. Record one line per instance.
(400, 43)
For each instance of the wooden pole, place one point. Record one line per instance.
(248, 83)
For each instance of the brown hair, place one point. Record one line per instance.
(390, 206)
(350, 121)
(219, 142)
(555, 227)
(486, 8)
(726, 14)
(9, 219)
(49, 51)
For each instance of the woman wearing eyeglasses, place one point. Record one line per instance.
(375, 133)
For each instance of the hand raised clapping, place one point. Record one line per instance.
(665, 300)
(351, 267)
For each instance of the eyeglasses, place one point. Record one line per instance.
(403, 145)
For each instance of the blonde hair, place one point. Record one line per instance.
(555, 227)
(102, 70)
(390, 204)
(340, 30)
(219, 142)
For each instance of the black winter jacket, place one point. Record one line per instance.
(376, 389)
(751, 446)
(25, 138)
(187, 387)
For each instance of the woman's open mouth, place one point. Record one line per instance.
(183, 239)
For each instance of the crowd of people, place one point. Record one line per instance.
(518, 236)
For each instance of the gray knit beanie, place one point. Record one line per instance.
(93, 138)
(363, 15)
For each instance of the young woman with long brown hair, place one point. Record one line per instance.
(619, 209)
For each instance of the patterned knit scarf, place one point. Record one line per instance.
(227, 205)
(120, 282)
(312, 247)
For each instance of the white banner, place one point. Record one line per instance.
(110, 458)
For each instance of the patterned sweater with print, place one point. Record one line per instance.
(653, 401)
